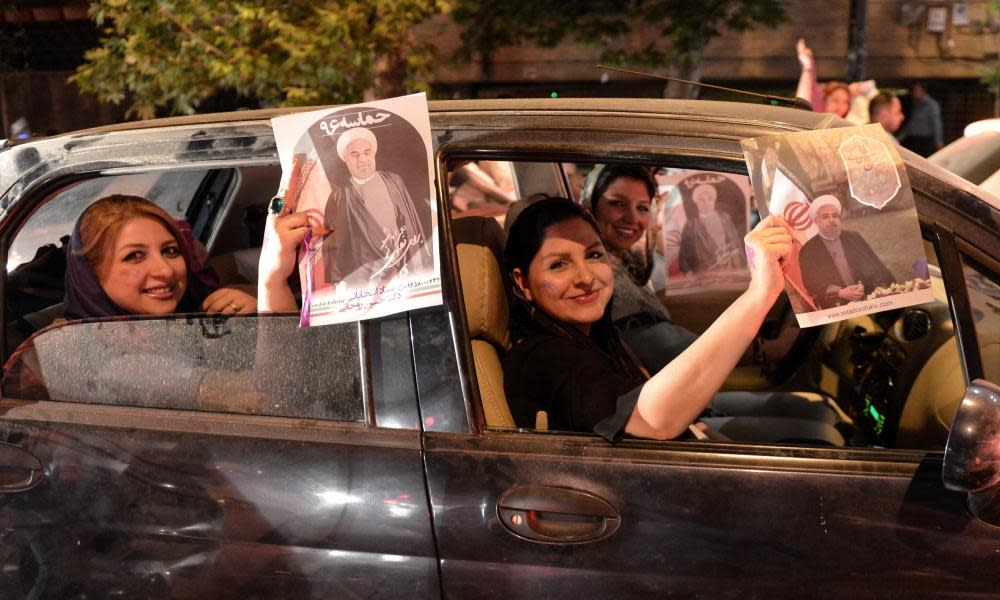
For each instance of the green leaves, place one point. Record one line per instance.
(629, 32)
(170, 56)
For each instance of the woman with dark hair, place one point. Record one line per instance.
(619, 197)
(567, 359)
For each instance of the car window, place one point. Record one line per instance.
(247, 364)
(984, 295)
(491, 187)
(171, 190)
(263, 365)
(891, 379)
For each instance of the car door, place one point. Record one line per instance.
(553, 514)
(194, 456)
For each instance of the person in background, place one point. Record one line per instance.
(886, 110)
(619, 197)
(923, 132)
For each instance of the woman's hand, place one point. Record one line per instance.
(770, 250)
(805, 56)
(229, 301)
(283, 237)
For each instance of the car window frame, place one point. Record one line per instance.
(972, 257)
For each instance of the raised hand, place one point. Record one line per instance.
(770, 251)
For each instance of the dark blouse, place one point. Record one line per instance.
(583, 384)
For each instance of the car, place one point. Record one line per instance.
(203, 456)
(975, 156)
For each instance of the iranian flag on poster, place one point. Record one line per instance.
(845, 196)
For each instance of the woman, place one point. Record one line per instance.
(127, 256)
(567, 358)
(847, 101)
(619, 198)
(709, 241)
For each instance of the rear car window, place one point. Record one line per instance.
(244, 364)
(173, 191)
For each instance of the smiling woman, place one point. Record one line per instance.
(127, 257)
(567, 359)
(620, 196)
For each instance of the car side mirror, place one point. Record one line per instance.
(972, 455)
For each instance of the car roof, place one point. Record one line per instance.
(731, 120)
(793, 118)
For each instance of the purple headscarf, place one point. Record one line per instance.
(85, 298)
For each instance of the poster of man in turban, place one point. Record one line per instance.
(845, 196)
(364, 175)
(702, 218)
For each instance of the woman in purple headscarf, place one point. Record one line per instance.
(127, 256)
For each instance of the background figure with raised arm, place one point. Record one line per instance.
(380, 230)
(838, 264)
(846, 100)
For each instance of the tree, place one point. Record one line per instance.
(990, 73)
(175, 54)
(639, 33)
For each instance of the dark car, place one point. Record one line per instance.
(201, 456)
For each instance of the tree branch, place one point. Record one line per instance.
(190, 33)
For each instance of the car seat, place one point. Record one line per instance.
(479, 244)
(487, 312)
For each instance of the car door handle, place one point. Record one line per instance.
(551, 514)
(19, 469)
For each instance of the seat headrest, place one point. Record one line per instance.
(484, 295)
(481, 231)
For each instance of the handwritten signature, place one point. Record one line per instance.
(394, 247)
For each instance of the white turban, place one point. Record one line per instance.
(820, 202)
(357, 133)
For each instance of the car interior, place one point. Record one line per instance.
(892, 379)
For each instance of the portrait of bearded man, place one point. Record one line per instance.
(377, 230)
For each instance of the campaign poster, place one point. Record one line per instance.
(364, 174)
(702, 217)
(845, 195)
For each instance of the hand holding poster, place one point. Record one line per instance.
(846, 198)
(362, 176)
